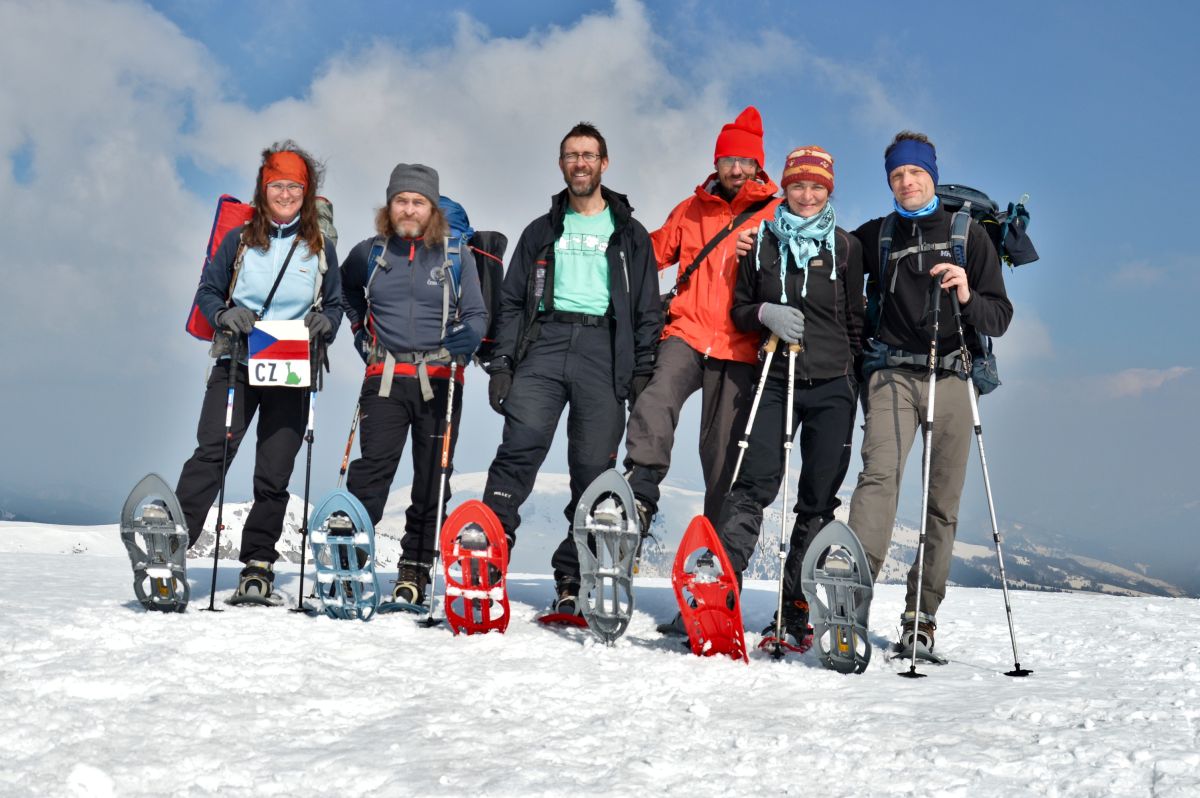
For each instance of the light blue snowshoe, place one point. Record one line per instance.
(342, 542)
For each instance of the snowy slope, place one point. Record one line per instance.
(100, 698)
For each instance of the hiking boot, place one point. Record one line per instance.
(796, 629)
(256, 581)
(411, 582)
(645, 517)
(926, 625)
(568, 597)
(674, 627)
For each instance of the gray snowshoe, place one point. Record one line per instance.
(153, 531)
(607, 535)
(836, 579)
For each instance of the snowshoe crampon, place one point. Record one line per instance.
(707, 592)
(607, 535)
(836, 580)
(342, 542)
(474, 552)
(153, 531)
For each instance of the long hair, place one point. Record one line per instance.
(435, 232)
(258, 231)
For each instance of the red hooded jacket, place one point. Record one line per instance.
(700, 313)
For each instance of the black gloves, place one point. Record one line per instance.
(318, 324)
(461, 339)
(237, 319)
(498, 388)
(639, 383)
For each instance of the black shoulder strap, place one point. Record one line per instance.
(737, 222)
(279, 277)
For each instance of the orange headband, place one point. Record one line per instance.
(285, 166)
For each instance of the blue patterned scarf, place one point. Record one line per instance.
(928, 209)
(803, 238)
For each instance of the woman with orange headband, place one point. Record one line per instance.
(278, 266)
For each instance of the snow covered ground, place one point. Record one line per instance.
(100, 698)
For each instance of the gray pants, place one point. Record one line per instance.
(726, 390)
(898, 399)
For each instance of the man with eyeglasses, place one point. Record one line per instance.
(578, 327)
(701, 349)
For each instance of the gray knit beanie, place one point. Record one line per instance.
(414, 177)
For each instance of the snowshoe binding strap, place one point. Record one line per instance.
(924, 634)
(836, 580)
(256, 586)
(156, 540)
(342, 543)
(607, 537)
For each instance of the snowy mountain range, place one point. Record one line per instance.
(1029, 564)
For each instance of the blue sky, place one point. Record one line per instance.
(115, 148)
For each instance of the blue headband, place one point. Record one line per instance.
(917, 153)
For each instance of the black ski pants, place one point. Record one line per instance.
(282, 415)
(824, 410)
(386, 423)
(726, 390)
(569, 365)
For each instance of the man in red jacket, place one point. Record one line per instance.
(700, 347)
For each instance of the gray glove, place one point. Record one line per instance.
(318, 324)
(237, 319)
(784, 320)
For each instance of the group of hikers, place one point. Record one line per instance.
(582, 325)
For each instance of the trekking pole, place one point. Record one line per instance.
(445, 467)
(314, 378)
(744, 443)
(777, 649)
(235, 340)
(911, 673)
(350, 442)
(965, 358)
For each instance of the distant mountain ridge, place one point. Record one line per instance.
(1030, 565)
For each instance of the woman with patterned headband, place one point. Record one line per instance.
(802, 282)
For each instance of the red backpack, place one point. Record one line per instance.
(231, 213)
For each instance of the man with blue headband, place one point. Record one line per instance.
(901, 293)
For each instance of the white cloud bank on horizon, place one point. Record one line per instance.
(1138, 381)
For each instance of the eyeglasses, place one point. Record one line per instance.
(747, 164)
(286, 188)
(587, 157)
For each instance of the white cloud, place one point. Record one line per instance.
(1139, 273)
(1135, 382)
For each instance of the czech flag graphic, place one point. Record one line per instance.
(279, 354)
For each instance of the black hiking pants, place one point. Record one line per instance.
(282, 415)
(726, 390)
(824, 410)
(386, 423)
(569, 365)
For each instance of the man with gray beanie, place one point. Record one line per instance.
(411, 316)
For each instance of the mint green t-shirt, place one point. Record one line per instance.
(581, 265)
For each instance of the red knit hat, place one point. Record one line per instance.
(742, 138)
(808, 163)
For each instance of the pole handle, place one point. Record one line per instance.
(772, 343)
